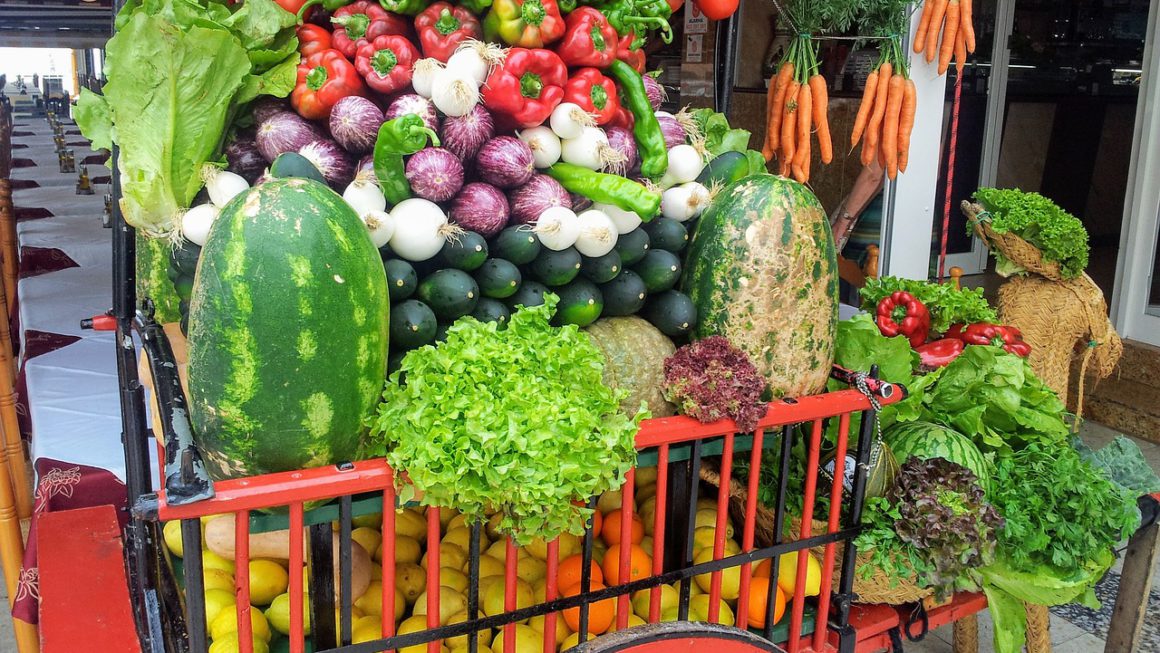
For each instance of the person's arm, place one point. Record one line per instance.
(866, 188)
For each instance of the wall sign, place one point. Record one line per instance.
(695, 21)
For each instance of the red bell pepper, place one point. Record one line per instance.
(1007, 337)
(324, 78)
(901, 314)
(588, 39)
(292, 6)
(364, 20)
(628, 50)
(442, 28)
(940, 352)
(526, 87)
(312, 39)
(386, 63)
(594, 93)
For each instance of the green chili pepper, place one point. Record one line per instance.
(405, 7)
(477, 7)
(566, 6)
(397, 138)
(650, 141)
(607, 189)
(638, 16)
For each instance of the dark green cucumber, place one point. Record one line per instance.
(450, 293)
(491, 310)
(401, 279)
(531, 293)
(516, 244)
(413, 324)
(602, 268)
(498, 278)
(467, 251)
(724, 169)
(581, 303)
(632, 246)
(672, 312)
(660, 270)
(624, 295)
(666, 234)
(556, 268)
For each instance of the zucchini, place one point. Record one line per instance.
(413, 325)
(450, 293)
(498, 278)
(467, 251)
(602, 268)
(624, 295)
(660, 270)
(401, 279)
(516, 244)
(556, 268)
(724, 169)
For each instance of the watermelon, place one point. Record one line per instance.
(928, 440)
(634, 361)
(288, 329)
(762, 271)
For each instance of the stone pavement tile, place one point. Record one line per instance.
(1085, 643)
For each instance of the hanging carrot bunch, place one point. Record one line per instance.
(953, 20)
(797, 105)
(885, 116)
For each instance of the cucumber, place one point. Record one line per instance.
(394, 362)
(580, 303)
(413, 324)
(450, 293)
(624, 295)
(666, 234)
(441, 331)
(672, 312)
(292, 164)
(556, 268)
(401, 279)
(531, 293)
(602, 268)
(632, 246)
(466, 251)
(516, 244)
(498, 278)
(724, 169)
(491, 310)
(660, 270)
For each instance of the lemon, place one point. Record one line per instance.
(562, 629)
(211, 560)
(409, 523)
(708, 519)
(414, 625)
(371, 602)
(609, 501)
(699, 610)
(450, 555)
(787, 574)
(366, 629)
(229, 644)
(645, 476)
(216, 579)
(451, 602)
(172, 534)
(411, 580)
(453, 578)
(493, 600)
(373, 520)
(641, 600)
(368, 538)
(407, 551)
(497, 550)
(634, 620)
(461, 537)
(492, 526)
(278, 614)
(730, 577)
(268, 579)
(528, 640)
(488, 566)
(531, 569)
(376, 571)
(226, 623)
(217, 600)
(460, 642)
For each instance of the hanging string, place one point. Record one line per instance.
(946, 225)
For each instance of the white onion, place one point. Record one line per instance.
(381, 226)
(685, 164)
(423, 75)
(222, 185)
(454, 92)
(421, 228)
(597, 233)
(364, 195)
(557, 228)
(545, 145)
(568, 120)
(685, 201)
(625, 221)
(591, 150)
(476, 59)
(196, 222)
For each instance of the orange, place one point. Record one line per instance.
(759, 599)
(611, 530)
(570, 569)
(639, 564)
(763, 568)
(601, 614)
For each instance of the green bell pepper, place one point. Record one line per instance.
(397, 138)
(628, 16)
(650, 141)
(405, 7)
(607, 189)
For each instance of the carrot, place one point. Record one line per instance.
(788, 123)
(776, 106)
(938, 10)
(906, 123)
(967, 25)
(949, 37)
(920, 33)
(874, 128)
(890, 124)
(804, 116)
(960, 50)
(864, 109)
(820, 103)
(805, 166)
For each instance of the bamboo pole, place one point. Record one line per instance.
(8, 251)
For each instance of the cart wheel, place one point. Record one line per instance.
(678, 635)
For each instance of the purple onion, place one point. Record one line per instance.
(336, 166)
(505, 161)
(354, 123)
(580, 202)
(267, 106)
(481, 208)
(435, 174)
(464, 135)
(656, 92)
(365, 164)
(533, 198)
(673, 132)
(416, 104)
(621, 140)
(243, 158)
(285, 132)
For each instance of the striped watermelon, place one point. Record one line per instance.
(929, 440)
(762, 271)
(287, 332)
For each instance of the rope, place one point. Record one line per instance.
(946, 225)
